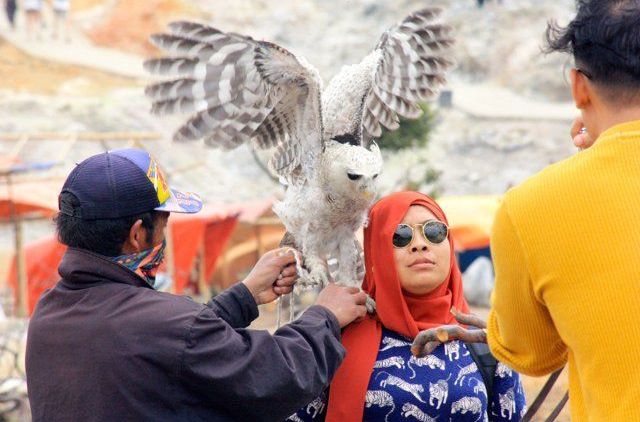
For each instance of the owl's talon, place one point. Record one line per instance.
(317, 278)
(370, 304)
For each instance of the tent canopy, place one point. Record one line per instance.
(29, 198)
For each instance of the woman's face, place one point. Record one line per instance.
(422, 266)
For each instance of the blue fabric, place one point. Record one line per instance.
(444, 386)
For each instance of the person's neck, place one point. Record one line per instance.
(612, 117)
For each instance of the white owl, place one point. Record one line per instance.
(242, 90)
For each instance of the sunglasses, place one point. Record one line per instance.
(433, 231)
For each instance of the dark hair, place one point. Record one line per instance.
(105, 236)
(604, 39)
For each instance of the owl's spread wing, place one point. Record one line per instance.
(413, 60)
(237, 90)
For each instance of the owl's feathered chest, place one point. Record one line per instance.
(315, 209)
(346, 211)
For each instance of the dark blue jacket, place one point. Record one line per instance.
(104, 346)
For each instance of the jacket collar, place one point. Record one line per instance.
(81, 268)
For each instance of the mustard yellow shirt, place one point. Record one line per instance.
(566, 249)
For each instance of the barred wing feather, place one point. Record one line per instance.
(238, 90)
(413, 60)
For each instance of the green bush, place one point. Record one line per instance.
(411, 133)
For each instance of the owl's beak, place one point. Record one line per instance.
(367, 194)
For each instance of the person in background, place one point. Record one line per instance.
(565, 242)
(61, 19)
(104, 345)
(10, 8)
(33, 11)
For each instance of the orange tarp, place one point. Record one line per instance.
(469, 237)
(190, 232)
(42, 259)
(30, 197)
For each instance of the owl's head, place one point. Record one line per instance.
(352, 170)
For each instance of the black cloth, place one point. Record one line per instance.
(102, 346)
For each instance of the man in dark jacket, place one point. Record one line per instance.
(104, 345)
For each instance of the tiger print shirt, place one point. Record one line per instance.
(443, 386)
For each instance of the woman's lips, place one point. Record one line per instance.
(422, 264)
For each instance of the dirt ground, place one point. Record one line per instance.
(82, 5)
(22, 73)
(128, 24)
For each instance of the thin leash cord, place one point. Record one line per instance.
(279, 312)
(542, 395)
(556, 411)
(292, 310)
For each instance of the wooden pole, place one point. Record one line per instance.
(225, 269)
(21, 267)
(260, 245)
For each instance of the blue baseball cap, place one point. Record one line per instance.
(123, 183)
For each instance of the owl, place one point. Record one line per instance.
(239, 90)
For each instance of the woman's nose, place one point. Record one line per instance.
(416, 248)
(418, 244)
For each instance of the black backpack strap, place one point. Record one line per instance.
(486, 365)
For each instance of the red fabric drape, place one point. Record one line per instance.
(396, 310)
(42, 260)
(189, 233)
(216, 238)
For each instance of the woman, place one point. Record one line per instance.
(412, 274)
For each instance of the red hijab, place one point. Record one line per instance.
(397, 310)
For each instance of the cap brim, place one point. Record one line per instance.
(182, 202)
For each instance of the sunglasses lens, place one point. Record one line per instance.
(402, 236)
(435, 231)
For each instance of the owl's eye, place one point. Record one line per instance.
(354, 176)
(375, 175)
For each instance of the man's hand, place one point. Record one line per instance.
(581, 138)
(346, 303)
(272, 276)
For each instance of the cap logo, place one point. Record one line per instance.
(159, 182)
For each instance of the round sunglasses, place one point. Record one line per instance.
(433, 231)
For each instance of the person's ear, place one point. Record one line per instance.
(136, 240)
(580, 89)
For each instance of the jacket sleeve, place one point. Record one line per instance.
(520, 330)
(254, 375)
(236, 306)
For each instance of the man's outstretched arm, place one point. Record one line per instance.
(254, 375)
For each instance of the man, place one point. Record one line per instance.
(566, 242)
(104, 345)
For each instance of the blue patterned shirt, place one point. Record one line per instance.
(443, 386)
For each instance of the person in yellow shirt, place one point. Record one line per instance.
(566, 243)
